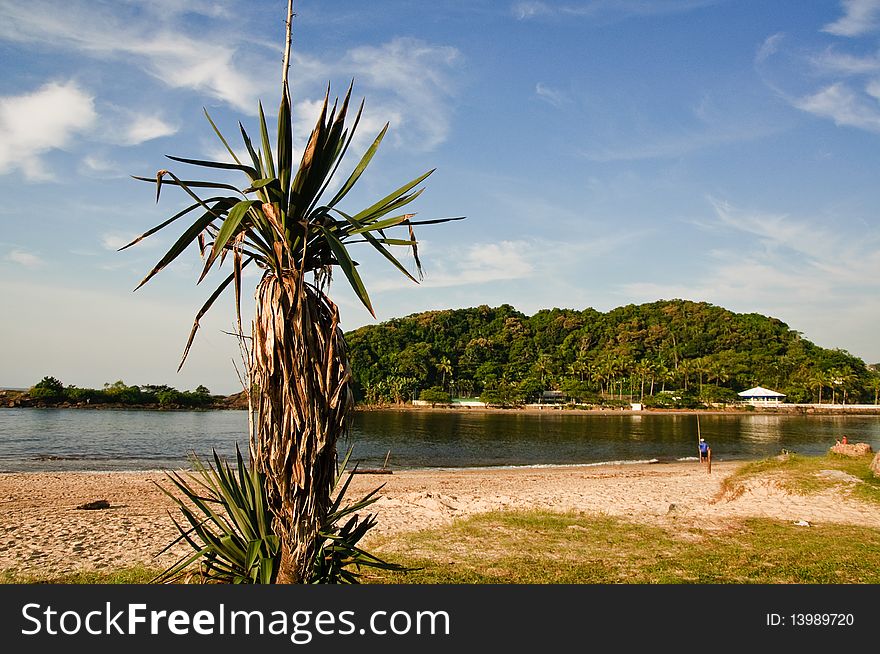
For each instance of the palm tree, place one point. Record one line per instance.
(818, 380)
(843, 377)
(285, 221)
(543, 365)
(577, 368)
(599, 375)
(444, 367)
(700, 367)
(642, 369)
(686, 369)
(715, 370)
(875, 386)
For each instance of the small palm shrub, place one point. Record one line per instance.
(228, 525)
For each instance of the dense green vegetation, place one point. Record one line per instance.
(52, 391)
(673, 353)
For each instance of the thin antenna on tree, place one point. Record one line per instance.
(289, 24)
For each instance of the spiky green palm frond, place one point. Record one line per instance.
(282, 219)
(229, 524)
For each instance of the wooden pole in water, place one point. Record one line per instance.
(699, 438)
(700, 451)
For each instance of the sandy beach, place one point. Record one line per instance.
(41, 530)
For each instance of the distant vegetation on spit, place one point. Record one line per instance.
(672, 353)
(52, 391)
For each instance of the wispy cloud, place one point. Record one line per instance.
(408, 81)
(605, 9)
(34, 123)
(830, 83)
(860, 17)
(205, 64)
(551, 95)
(833, 62)
(769, 47)
(785, 259)
(844, 106)
(25, 258)
(144, 128)
(668, 145)
(526, 10)
(97, 165)
(115, 241)
(481, 263)
(787, 266)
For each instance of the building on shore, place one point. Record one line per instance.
(760, 396)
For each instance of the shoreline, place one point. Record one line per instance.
(783, 409)
(795, 410)
(41, 528)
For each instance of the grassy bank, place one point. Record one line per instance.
(539, 547)
(810, 474)
(547, 548)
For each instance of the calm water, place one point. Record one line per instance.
(71, 439)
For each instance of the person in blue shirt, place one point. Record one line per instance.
(705, 451)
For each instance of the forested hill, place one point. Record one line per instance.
(701, 351)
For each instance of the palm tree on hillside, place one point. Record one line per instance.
(875, 386)
(842, 377)
(444, 367)
(818, 380)
(643, 368)
(287, 222)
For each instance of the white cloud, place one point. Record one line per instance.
(115, 241)
(24, 258)
(35, 123)
(606, 9)
(835, 85)
(860, 17)
(834, 62)
(769, 47)
(414, 84)
(97, 165)
(807, 246)
(146, 128)
(481, 263)
(210, 63)
(406, 78)
(548, 94)
(526, 10)
(669, 145)
(844, 106)
(407, 81)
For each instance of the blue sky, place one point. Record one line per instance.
(604, 153)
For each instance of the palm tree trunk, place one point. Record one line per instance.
(300, 370)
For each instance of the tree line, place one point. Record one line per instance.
(673, 353)
(52, 391)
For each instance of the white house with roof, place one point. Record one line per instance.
(760, 396)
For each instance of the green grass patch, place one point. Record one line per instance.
(132, 575)
(808, 474)
(548, 548)
(539, 547)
